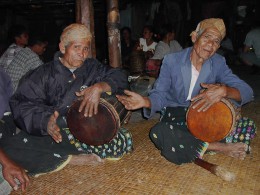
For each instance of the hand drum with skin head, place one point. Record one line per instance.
(100, 128)
(214, 124)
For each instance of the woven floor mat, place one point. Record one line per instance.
(145, 171)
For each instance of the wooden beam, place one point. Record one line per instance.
(113, 22)
(85, 15)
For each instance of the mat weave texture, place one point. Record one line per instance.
(145, 171)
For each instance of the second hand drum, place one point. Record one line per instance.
(215, 123)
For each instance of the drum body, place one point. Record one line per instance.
(214, 124)
(100, 128)
(137, 62)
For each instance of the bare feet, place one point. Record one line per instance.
(236, 150)
(85, 159)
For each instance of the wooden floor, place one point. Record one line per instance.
(145, 171)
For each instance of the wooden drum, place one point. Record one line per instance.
(214, 124)
(137, 62)
(100, 128)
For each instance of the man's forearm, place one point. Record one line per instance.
(3, 157)
(233, 93)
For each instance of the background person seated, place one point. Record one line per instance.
(251, 51)
(147, 42)
(19, 38)
(127, 46)
(144, 50)
(27, 59)
(166, 45)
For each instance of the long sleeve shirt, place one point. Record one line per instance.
(52, 86)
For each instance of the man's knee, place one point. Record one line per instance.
(156, 135)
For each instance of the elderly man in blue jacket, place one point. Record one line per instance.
(42, 100)
(183, 77)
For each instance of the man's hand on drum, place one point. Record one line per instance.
(133, 101)
(211, 94)
(53, 129)
(91, 98)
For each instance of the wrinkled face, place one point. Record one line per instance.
(22, 40)
(147, 34)
(207, 43)
(40, 48)
(75, 53)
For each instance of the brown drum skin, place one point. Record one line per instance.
(214, 124)
(100, 128)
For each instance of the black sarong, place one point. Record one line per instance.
(173, 138)
(40, 155)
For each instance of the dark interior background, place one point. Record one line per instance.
(51, 16)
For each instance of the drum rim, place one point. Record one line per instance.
(113, 110)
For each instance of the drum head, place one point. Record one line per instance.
(96, 130)
(212, 125)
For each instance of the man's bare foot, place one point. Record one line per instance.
(236, 150)
(85, 159)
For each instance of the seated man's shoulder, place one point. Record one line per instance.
(218, 60)
(217, 56)
(49, 64)
(29, 51)
(43, 71)
(44, 68)
(24, 53)
(179, 54)
(11, 47)
(92, 62)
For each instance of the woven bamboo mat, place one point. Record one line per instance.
(145, 171)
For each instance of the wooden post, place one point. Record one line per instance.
(85, 15)
(114, 44)
(78, 11)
